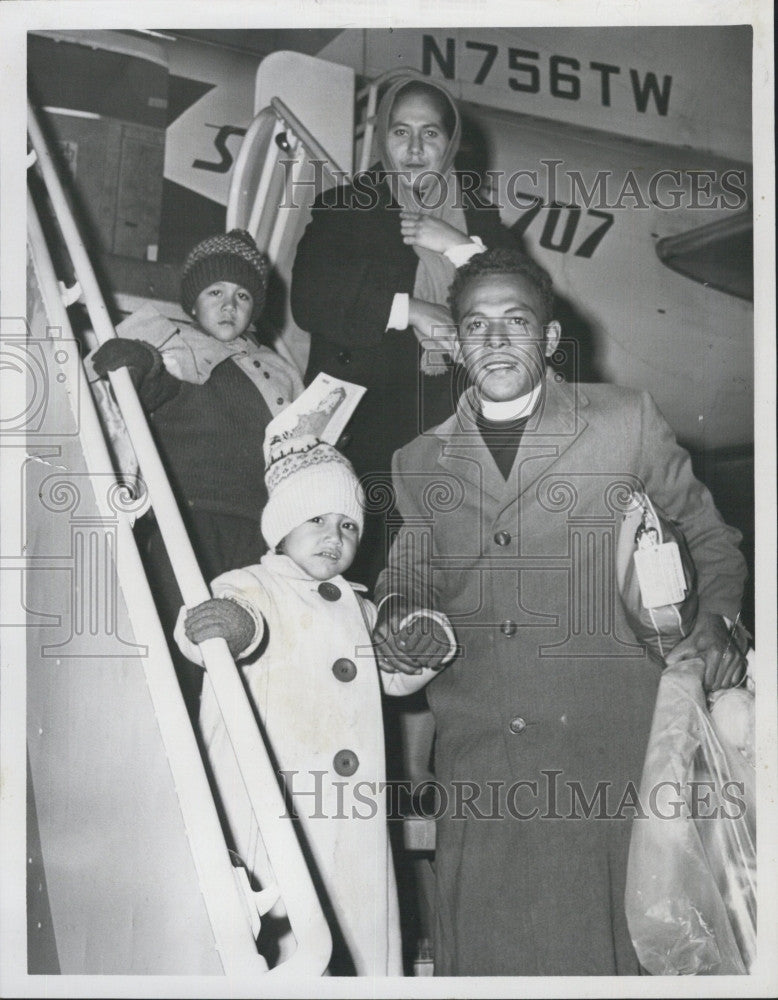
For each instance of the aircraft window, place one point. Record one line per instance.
(720, 255)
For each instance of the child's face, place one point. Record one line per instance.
(223, 310)
(324, 546)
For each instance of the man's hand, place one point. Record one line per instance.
(223, 619)
(423, 230)
(422, 643)
(708, 641)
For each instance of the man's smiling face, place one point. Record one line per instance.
(504, 335)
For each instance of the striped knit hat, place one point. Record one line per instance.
(307, 477)
(229, 256)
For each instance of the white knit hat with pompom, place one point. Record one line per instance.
(307, 477)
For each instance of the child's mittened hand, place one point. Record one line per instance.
(120, 353)
(152, 381)
(220, 618)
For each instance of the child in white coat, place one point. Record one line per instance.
(315, 687)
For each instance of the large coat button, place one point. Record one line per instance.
(329, 591)
(508, 629)
(344, 357)
(345, 670)
(517, 725)
(502, 538)
(345, 763)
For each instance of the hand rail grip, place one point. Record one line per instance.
(307, 920)
(281, 221)
(267, 171)
(367, 138)
(311, 144)
(310, 147)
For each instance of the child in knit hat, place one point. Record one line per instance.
(209, 389)
(315, 686)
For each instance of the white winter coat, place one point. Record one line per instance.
(316, 690)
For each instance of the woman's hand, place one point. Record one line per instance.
(433, 325)
(423, 230)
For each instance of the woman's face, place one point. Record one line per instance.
(417, 139)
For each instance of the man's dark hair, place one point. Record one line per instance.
(502, 261)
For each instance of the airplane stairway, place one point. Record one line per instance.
(128, 870)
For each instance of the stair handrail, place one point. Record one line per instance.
(233, 936)
(311, 143)
(309, 926)
(301, 144)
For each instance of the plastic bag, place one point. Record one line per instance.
(691, 878)
(646, 530)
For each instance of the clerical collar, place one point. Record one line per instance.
(511, 409)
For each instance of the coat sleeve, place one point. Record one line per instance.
(398, 684)
(407, 571)
(485, 222)
(670, 482)
(351, 262)
(349, 265)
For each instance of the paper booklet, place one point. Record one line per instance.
(323, 411)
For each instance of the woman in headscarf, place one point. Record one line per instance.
(371, 277)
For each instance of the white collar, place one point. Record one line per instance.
(511, 409)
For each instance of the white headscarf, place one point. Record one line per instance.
(435, 272)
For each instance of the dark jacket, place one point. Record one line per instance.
(350, 262)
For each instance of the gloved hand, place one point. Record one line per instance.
(419, 643)
(153, 382)
(223, 618)
(117, 352)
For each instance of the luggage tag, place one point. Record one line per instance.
(658, 565)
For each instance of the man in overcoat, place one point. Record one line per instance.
(511, 512)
